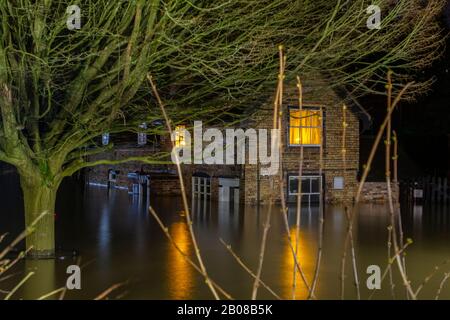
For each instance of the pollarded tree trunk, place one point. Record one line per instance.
(39, 198)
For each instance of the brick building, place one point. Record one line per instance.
(319, 126)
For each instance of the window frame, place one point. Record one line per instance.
(336, 185)
(201, 186)
(180, 137)
(310, 178)
(318, 108)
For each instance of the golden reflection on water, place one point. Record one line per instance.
(306, 257)
(180, 272)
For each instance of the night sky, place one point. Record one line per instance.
(422, 126)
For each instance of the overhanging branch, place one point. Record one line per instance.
(77, 165)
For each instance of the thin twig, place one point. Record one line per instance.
(395, 155)
(441, 286)
(19, 257)
(106, 293)
(321, 214)
(9, 276)
(391, 279)
(185, 256)
(389, 265)
(392, 211)
(257, 280)
(277, 104)
(346, 210)
(3, 236)
(48, 295)
(183, 191)
(364, 178)
(23, 235)
(344, 171)
(284, 208)
(11, 293)
(299, 191)
(247, 269)
(428, 278)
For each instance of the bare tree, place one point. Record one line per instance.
(60, 89)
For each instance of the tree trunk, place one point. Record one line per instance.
(38, 199)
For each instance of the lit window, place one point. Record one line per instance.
(305, 127)
(180, 136)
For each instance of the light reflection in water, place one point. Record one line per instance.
(306, 258)
(180, 273)
(104, 234)
(126, 243)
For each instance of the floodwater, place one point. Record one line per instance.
(119, 241)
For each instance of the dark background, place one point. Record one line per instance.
(422, 126)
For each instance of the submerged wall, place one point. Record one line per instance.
(377, 192)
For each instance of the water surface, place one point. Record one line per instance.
(121, 241)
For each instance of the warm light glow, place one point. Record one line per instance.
(305, 127)
(306, 258)
(179, 136)
(180, 272)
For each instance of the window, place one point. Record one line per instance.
(142, 136)
(311, 187)
(305, 127)
(201, 186)
(105, 139)
(180, 136)
(338, 183)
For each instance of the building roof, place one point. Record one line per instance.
(356, 108)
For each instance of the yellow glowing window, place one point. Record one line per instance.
(180, 136)
(305, 127)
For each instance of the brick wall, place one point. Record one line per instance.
(317, 94)
(166, 184)
(377, 192)
(332, 147)
(214, 171)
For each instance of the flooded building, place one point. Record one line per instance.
(330, 165)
